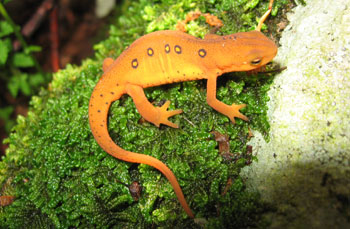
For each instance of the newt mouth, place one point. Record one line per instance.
(262, 70)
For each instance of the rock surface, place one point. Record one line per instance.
(303, 171)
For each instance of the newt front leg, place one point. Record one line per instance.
(230, 111)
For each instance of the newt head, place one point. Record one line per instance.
(245, 51)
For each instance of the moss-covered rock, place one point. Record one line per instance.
(61, 178)
(304, 170)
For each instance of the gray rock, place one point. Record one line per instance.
(304, 170)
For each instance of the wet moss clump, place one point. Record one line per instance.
(61, 178)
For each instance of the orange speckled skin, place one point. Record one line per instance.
(165, 57)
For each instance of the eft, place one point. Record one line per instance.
(166, 57)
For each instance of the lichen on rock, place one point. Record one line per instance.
(304, 169)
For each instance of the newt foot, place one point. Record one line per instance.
(235, 113)
(164, 114)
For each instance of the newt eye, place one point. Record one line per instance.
(256, 61)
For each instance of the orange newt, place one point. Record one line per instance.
(166, 57)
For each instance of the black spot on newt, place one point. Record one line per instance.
(202, 53)
(134, 63)
(150, 52)
(178, 49)
(167, 48)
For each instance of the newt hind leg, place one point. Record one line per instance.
(155, 115)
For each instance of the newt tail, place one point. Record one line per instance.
(98, 113)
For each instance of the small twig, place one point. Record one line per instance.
(55, 63)
(37, 18)
(189, 121)
(275, 70)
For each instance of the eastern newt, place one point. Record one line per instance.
(166, 57)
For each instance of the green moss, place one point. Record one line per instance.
(62, 178)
